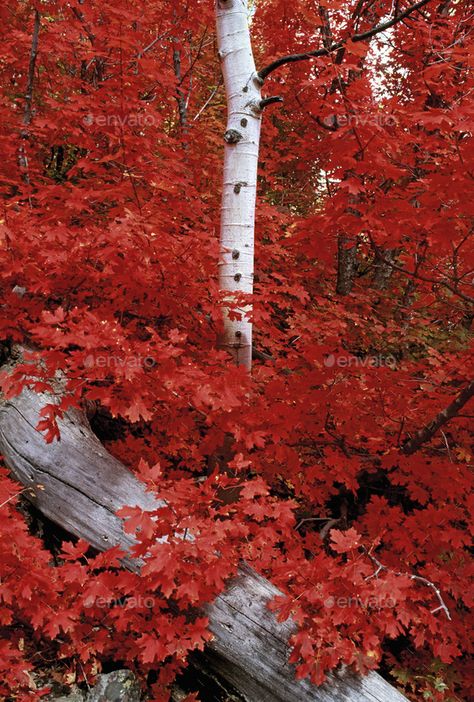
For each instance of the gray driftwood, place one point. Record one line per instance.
(82, 488)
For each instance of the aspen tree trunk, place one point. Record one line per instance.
(242, 136)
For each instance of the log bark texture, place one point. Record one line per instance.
(82, 488)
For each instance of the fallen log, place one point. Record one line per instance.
(83, 486)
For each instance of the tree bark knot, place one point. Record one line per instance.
(232, 136)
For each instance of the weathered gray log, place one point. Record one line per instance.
(82, 488)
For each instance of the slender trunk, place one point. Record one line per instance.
(347, 249)
(402, 311)
(31, 71)
(180, 96)
(28, 109)
(346, 264)
(382, 268)
(242, 136)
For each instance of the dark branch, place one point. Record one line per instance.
(293, 58)
(418, 276)
(269, 101)
(261, 355)
(80, 16)
(31, 71)
(428, 431)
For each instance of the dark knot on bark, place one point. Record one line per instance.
(232, 136)
(238, 186)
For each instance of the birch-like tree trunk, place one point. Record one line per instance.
(242, 136)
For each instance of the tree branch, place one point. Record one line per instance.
(80, 16)
(269, 101)
(293, 58)
(419, 578)
(414, 274)
(424, 435)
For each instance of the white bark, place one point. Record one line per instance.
(242, 137)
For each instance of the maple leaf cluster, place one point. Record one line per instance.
(109, 255)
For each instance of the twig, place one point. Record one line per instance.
(84, 675)
(219, 83)
(311, 519)
(12, 497)
(418, 276)
(151, 44)
(447, 446)
(419, 578)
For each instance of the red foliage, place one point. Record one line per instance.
(110, 208)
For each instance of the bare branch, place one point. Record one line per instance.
(80, 16)
(419, 578)
(414, 274)
(293, 58)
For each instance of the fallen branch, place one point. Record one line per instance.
(82, 488)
